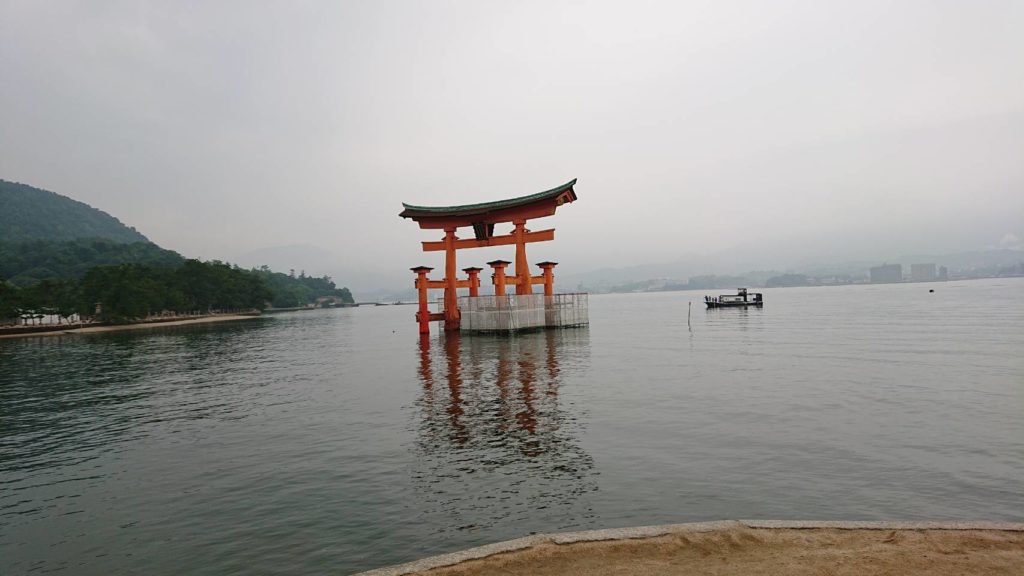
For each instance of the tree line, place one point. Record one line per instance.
(128, 292)
(291, 291)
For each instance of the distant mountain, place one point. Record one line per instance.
(367, 283)
(28, 213)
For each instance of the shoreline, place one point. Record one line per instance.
(68, 331)
(741, 547)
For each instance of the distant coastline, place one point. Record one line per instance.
(734, 282)
(73, 329)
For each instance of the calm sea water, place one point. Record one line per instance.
(336, 441)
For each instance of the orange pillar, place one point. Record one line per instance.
(423, 315)
(522, 267)
(499, 276)
(451, 296)
(549, 277)
(474, 280)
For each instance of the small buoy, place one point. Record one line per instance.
(931, 290)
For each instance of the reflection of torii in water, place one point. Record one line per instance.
(516, 380)
(494, 446)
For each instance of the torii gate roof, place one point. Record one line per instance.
(524, 207)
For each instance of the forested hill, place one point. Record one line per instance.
(28, 213)
(28, 263)
(61, 255)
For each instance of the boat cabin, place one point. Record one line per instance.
(740, 298)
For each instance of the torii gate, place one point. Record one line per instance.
(482, 218)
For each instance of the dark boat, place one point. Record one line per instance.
(741, 299)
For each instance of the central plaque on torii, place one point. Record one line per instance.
(482, 218)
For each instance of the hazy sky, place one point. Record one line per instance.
(832, 129)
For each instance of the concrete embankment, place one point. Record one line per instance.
(747, 547)
(95, 329)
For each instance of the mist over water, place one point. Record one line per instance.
(338, 441)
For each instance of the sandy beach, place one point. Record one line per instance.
(743, 550)
(138, 326)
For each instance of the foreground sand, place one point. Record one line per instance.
(744, 550)
(140, 326)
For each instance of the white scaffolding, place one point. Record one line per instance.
(522, 312)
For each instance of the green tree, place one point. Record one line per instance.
(10, 301)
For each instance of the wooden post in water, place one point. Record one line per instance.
(474, 280)
(549, 277)
(550, 315)
(499, 277)
(522, 268)
(451, 297)
(423, 313)
(499, 291)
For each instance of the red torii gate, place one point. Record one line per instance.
(482, 218)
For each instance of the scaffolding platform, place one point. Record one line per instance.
(514, 312)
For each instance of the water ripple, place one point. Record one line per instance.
(339, 440)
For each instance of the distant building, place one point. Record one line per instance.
(887, 273)
(922, 272)
(943, 273)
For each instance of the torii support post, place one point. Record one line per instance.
(423, 314)
(474, 280)
(522, 268)
(549, 277)
(451, 296)
(449, 284)
(499, 275)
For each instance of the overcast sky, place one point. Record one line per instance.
(822, 129)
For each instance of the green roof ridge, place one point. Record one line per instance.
(494, 204)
